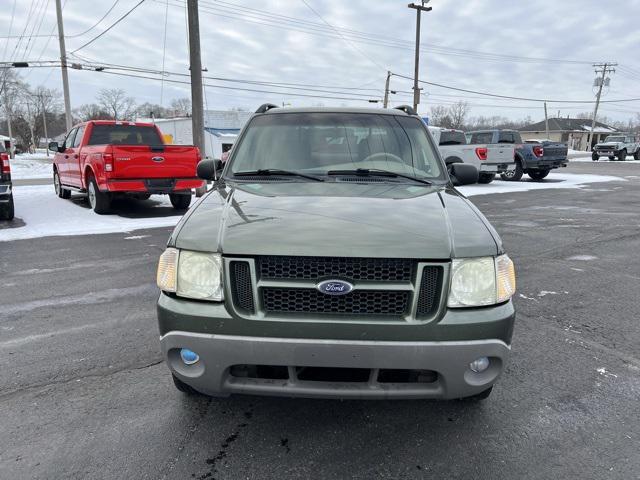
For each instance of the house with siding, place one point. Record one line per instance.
(572, 131)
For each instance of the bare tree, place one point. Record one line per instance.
(181, 107)
(91, 111)
(458, 112)
(116, 103)
(439, 116)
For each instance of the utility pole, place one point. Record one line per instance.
(416, 90)
(197, 109)
(44, 123)
(386, 90)
(605, 68)
(63, 64)
(546, 121)
(7, 109)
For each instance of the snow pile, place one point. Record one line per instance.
(44, 215)
(31, 165)
(554, 180)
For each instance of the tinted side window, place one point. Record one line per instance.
(68, 142)
(482, 137)
(453, 138)
(124, 135)
(506, 137)
(78, 139)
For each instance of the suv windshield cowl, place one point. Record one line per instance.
(314, 145)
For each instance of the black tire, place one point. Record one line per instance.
(143, 196)
(183, 387)
(611, 159)
(622, 156)
(595, 157)
(180, 201)
(513, 175)
(538, 174)
(7, 210)
(486, 177)
(61, 192)
(100, 201)
(636, 156)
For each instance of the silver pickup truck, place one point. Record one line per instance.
(488, 159)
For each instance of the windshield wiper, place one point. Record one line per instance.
(451, 142)
(365, 172)
(265, 172)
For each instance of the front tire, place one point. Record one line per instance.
(513, 175)
(622, 156)
(595, 157)
(636, 156)
(486, 177)
(61, 192)
(7, 210)
(180, 201)
(611, 159)
(100, 201)
(538, 174)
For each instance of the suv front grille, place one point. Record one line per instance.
(358, 302)
(318, 268)
(241, 286)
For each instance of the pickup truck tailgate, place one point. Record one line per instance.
(143, 161)
(554, 151)
(500, 153)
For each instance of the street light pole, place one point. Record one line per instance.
(416, 90)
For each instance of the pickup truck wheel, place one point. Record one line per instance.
(99, 201)
(636, 156)
(7, 210)
(61, 192)
(513, 175)
(183, 387)
(486, 177)
(595, 157)
(180, 201)
(538, 174)
(611, 159)
(622, 156)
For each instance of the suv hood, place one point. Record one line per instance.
(337, 219)
(608, 144)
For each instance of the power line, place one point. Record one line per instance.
(97, 23)
(110, 27)
(13, 14)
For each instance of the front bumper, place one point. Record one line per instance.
(218, 353)
(5, 192)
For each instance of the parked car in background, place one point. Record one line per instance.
(617, 146)
(488, 159)
(106, 159)
(6, 192)
(536, 159)
(336, 259)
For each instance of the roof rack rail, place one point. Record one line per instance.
(407, 109)
(264, 108)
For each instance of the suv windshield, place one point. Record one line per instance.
(317, 143)
(452, 138)
(614, 139)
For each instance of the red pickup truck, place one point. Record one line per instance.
(106, 158)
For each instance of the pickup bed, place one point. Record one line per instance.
(488, 159)
(106, 159)
(534, 158)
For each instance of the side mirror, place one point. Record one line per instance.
(54, 147)
(463, 174)
(209, 169)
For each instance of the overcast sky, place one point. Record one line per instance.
(262, 45)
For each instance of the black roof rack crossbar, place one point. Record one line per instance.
(264, 108)
(407, 109)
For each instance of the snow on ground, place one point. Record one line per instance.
(44, 214)
(40, 213)
(554, 180)
(31, 165)
(580, 156)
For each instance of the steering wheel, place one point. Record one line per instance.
(386, 155)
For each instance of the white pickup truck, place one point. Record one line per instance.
(489, 159)
(617, 146)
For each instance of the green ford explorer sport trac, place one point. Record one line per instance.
(333, 257)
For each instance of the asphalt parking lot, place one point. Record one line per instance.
(84, 394)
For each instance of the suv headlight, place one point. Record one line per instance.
(191, 274)
(477, 282)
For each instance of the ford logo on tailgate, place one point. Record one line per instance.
(334, 287)
(158, 159)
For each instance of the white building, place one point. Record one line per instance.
(221, 128)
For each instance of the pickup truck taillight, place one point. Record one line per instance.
(481, 152)
(4, 163)
(538, 151)
(108, 162)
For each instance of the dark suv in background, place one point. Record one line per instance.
(6, 194)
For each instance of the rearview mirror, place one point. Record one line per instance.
(54, 147)
(463, 174)
(209, 169)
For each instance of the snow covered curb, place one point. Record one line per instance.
(31, 165)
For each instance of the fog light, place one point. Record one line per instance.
(479, 365)
(189, 357)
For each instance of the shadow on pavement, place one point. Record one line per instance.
(132, 208)
(15, 223)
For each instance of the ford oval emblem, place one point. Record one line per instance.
(334, 287)
(158, 159)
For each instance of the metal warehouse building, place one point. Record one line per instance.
(221, 128)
